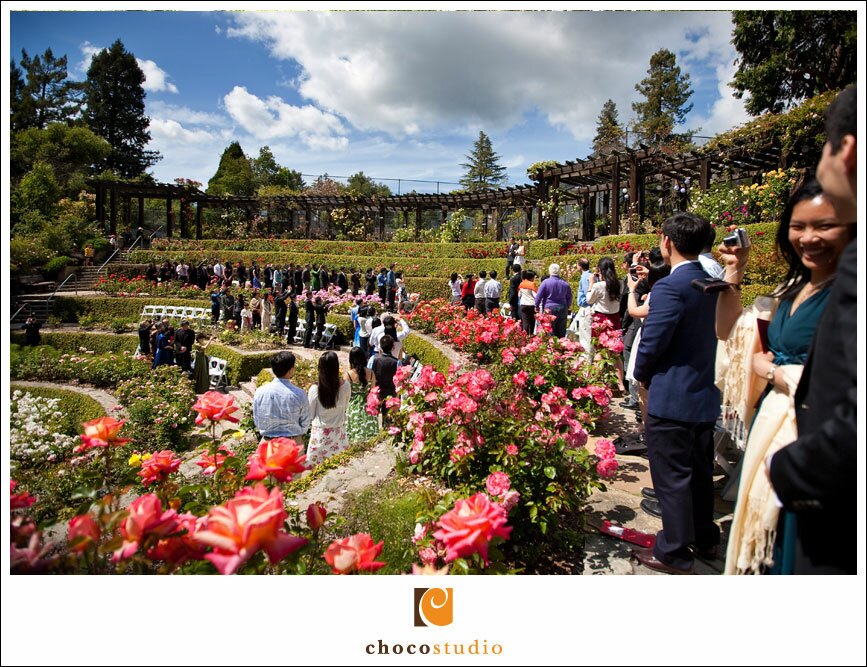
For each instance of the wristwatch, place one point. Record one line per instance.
(771, 373)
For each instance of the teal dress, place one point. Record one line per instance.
(789, 338)
(360, 426)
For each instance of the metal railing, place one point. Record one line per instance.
(27, 306)
(71, 276)
(133, 245)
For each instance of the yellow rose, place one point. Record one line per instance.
(239, 434)
(147, 457)
(135, 460)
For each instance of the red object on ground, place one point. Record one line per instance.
(627, 534)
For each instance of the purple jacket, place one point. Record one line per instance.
(554, 291)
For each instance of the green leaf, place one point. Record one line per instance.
(550, 472)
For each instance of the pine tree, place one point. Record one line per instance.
(609, 133)
(115, 110)
(483, 169)
(47, 96)
(666, 92)
(234, 175)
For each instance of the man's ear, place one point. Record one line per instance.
(848, 152)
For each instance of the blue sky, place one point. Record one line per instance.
(395, 94)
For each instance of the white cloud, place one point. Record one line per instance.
(472, 70)
(272, 118)
(156, 78)
(182, 114)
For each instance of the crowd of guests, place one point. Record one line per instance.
(168, 346)
(333, 413)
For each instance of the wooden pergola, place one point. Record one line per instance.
(114, 198)
(623, 174)
(626, 174)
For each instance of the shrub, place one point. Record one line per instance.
(240, 367)
(101, 370)
(426, 352)
(159, 408)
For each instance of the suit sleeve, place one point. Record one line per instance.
(818, 469)
(658, 328)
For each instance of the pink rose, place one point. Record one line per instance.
(82, 532)
(498, 483)
(353, 554)
(470, 527)
(606, 468)
(214, 406)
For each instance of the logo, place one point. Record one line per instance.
(433, 606)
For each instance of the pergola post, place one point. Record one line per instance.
(308, 220)
(382, 222)
(704, 175)
(498, 223)
(199, 207)
(127, 211)
(112, 221)
(486, 212)
(615, 198)
(100, 205)
(185, 231)
(168, 217)
(141, 211)
(528, 218)
(542, 227)
(590, 218)
(555, 219)
(417, 222)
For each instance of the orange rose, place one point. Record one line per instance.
(101, 432)
(214, 406)
(82, 532)
(353, 554)
(250, 521)
(145, 519)
(158, 467)
(279, 458)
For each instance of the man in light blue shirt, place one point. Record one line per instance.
(280, 409)
(585, 314)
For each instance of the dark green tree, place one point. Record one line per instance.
(788, 56)
(23, 114)
(234, 175)
(483, 170)
(666, 92)
(609, 133)
(363, 185)
(47, 96)
(114, 95)
(291, 179)
(71, 152)
(265, 167)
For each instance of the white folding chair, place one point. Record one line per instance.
(299, 333)
(217, 372)
(328, 334)
(506, 310)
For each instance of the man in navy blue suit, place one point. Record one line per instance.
(675, 361)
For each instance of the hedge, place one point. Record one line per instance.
(75, 406)
(409, 266)
(426, 352)
(749, 293)
(356, 248)
(73, 341)
(108, 308)
(241, 367)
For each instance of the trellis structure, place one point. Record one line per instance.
(623, 174)
(114, 202)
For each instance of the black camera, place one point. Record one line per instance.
(737, 239)
(633, 272)
(710, 285)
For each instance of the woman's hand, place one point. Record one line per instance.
(762, 362)
(735, 259)
(631, 282)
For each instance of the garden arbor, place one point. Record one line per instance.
(623, 179)
(114, 204)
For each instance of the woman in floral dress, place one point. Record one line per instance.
(329, 400)
(361, 426)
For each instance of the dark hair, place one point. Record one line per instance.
(388, 321)
(386, 344)
(584, 263)
(687, 231)
(527, 275)
(375, 322)
(516, 268)
(329, 379)
(494, 274)
(282, 363)
(609, 275)
(358, 362)
(628, 257)
(483, 274)
(362, 311)
(711, 240)
(841, 118)
(797, 274)
(654, 255)
(657, 271)
(454, 277)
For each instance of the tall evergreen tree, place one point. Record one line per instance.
(483, 170)
(265, 167)
(786, 56)
(114, 94)
(609, 133)
(666, 92)
(234, 175)
(47, 97)
(21, 104)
